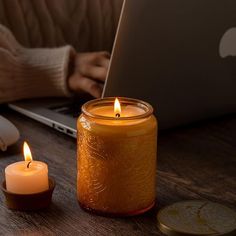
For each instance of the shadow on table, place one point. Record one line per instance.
(11, 151)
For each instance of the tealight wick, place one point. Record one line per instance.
(118, 115)
(29, 164)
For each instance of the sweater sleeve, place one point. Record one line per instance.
(31, 73)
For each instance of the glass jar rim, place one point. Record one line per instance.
(148, 109)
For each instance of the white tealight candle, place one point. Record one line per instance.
(27, 177)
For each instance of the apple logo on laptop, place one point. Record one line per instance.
(228, 43)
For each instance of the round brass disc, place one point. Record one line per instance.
(197, 218)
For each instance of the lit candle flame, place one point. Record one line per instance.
(27, 152)
(117, 108)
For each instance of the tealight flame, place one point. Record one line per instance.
(27, 152)
(117, 108)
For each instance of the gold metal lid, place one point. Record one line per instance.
(202, 218)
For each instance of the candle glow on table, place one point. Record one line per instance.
(27, 177)
(117, 156)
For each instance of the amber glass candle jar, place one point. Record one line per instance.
(117, 157)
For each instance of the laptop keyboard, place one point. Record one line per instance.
(67, 109)
(72, 108)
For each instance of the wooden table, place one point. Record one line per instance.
(197, 162)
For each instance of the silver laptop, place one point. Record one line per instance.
(177, 55)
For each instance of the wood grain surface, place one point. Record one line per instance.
(194, 162)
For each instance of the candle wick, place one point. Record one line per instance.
(28, 164)
(117, 115)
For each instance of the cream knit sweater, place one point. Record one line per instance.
(34, 62)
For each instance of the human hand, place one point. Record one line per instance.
(89, 71)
